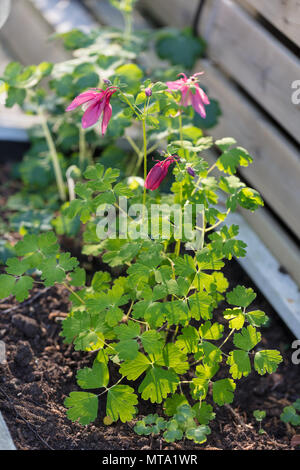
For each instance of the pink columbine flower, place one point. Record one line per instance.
(96, 102)
(158, 173)
(191, 93)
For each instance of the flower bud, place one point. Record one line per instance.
(148, 92)
(191, 172)
(158, 173)
(106, 81)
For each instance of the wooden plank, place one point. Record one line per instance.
(62, 15)
(263, 268)
(108, 15)
(276, 168)
(43, 17)
(28, 40)
(268, 250)
(283, 248)
(257, 61)
(269, 230)
(283, 14)
(179, 13)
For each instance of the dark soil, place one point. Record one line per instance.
(40, 372)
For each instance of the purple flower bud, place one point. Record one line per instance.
(148, 92)
(106, 81)
(191, 171)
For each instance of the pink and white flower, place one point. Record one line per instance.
(191, 93)
(96, 102)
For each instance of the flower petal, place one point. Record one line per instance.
(177, 85)
(203, 95)
(83, 98)
(106, 116)
(198, 105)
(92, 114)
(186, 98)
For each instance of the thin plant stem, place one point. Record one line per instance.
(128, 27)
(178, 243)
(71, 183)
(133, 145)
(74, 293)
(211, 168)
(54, 156)
(145, 158)
(215, 225)
(203, 229)
(82, 148)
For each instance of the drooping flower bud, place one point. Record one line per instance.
(191, 172)
(148, 92)
(106, 81)
(158, 173)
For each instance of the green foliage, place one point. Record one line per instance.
(182, 424)
(291, 414)
(179, 48)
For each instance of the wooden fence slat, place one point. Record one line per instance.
(284, 15)
(178, 13)
(27, 35)
(257, 61)
(269, 230)
(282, 293)
(65, 15)
(107, 14)
(276, 168)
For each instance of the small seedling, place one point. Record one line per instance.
(260, 415)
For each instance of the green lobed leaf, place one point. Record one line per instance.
(239, 364)
(241, 296)
(198, 434)
(267, 361)
(83, 407)
(247, 338)
(121, 401)
(157, 384)
(95, 377)
(223, 391)
(204, 412)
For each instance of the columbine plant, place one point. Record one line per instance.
(102, 61)
(166, 329)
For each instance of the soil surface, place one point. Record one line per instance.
(41, 371)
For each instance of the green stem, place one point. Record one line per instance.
(82, 148)
(180, 127)
(73, 293)
(138, 114)
(203, 231)
(128, 27)
(54, 156)
(178, 243)
(145, 158)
